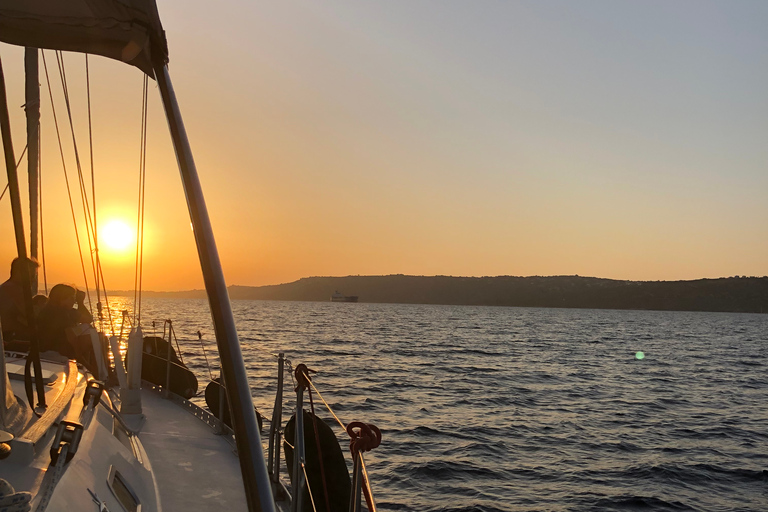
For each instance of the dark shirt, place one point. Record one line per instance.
(12, 317)
(52, 325)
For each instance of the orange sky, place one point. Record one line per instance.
(621, 140)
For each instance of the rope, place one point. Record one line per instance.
(365, 438)
(367, 491)
(309, 489)
(342, 425)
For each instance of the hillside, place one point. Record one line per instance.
(733, 294)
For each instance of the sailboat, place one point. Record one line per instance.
(69, 440)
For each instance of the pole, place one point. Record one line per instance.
(274, 429)
(167, 387)
(18, 226)
(32, 109)
(252, 465)
(299, 453)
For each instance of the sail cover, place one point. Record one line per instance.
(126, 30)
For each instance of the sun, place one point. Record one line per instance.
(116, 235)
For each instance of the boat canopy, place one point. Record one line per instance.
(125, 30)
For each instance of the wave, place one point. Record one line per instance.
(446, 470)
(525, 408)
(638, 503)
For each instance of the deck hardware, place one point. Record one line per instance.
(93, 392)
(5, 448)
(68, 434)
(102, 505)
(363, 437)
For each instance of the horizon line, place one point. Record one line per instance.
(189, 290)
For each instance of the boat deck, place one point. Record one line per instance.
(195, 468)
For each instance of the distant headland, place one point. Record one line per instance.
(730, 294)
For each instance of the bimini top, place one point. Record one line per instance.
(125, 30)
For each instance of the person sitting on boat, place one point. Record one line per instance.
(38, 303)
(12, 309)
(59, 316)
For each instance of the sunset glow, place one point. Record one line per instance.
(116, 235)
(622, 140)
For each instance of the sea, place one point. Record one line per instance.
(491, 409)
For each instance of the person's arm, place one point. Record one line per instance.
(83, 315)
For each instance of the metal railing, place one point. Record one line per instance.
(364, 437)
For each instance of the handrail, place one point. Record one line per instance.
(52, 413)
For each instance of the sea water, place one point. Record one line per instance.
(506, 409)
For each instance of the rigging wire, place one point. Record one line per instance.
(319, 448)
(17, 167)
(100, 282)
(81, 180)
(93, 178)
(138, 276)
(172, 333)
(40, 207)
(64, 166)
(99, 277)
(205, 355)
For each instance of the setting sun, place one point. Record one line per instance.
(117, 235)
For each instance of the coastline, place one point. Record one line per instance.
(731, 294)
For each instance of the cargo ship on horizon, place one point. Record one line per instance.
(340, 297)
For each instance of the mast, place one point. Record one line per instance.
(18, 226)
(258, 490)
(32, 109)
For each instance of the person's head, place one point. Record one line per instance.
(19, 265)
(62, 295)
(38, 301)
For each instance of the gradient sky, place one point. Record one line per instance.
(613, 139)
